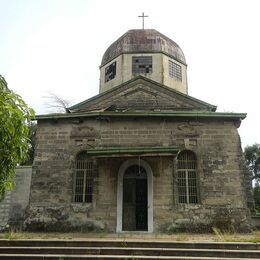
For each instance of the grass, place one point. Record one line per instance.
(226, 236)
(216, 236)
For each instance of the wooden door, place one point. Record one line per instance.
(135, 199)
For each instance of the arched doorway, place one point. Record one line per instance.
(135, 196)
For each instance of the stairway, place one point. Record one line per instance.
(126, 249)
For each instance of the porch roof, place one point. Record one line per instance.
(133, 151)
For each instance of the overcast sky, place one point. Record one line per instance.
(57, 45)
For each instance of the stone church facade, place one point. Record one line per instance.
(142, 155)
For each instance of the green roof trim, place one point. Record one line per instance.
(175, 114)
(76, 106)
(108, 151)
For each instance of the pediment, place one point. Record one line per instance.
(142, 94)
(139, 90)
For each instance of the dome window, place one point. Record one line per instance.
(175, 70)
(142, 64)
(110, 72)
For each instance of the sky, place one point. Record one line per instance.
(56, 46)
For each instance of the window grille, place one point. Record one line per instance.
(187, 177)
(142, 64)
(84, 178)
(175, 70)
(110, 72)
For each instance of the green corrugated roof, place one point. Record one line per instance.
(131, 150)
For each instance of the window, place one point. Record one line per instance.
(175, 70)
(110, 72)
(84, 178)
(142, 64)
(187, 177)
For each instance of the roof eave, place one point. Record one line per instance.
(178, 114)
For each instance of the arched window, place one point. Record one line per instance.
(84, 178)
(187, 177)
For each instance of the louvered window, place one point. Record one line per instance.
(84, 178)
(187, 177)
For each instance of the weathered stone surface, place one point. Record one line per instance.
(222, 180)
(60, 218)
(223, 218)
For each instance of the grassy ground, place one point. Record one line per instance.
(217, 236)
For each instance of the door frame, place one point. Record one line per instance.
(122, 169)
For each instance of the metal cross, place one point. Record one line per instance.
(143, 16)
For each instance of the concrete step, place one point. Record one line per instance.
(128, 243)
(107, 257)
(126, 249)
(132, 251)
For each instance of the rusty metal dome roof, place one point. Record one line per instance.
(143, 41)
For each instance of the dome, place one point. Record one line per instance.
(143, 41)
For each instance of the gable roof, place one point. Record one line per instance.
(142, 94)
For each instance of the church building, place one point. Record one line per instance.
(142, 155)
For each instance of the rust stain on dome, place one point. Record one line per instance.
(143, 41)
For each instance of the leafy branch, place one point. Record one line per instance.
(15, 116)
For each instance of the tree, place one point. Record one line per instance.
(256, 191)
(14, 142)
(252, 156)
(57, 104)
(32, 142)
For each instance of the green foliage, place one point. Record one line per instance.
(252, 156)
(222, 235)
(14, 142)
(32, 142)
(256, 190)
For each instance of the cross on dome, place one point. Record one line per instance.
(143, 16)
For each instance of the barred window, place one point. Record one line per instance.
(175, 70)
(142, 64)
(187, 177)
(84, 178)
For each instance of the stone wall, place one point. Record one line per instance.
(215, 142)
(4, 209)
(12, 208)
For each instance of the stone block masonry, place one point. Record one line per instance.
(4, 209)
(221, 178)
(12, 208)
